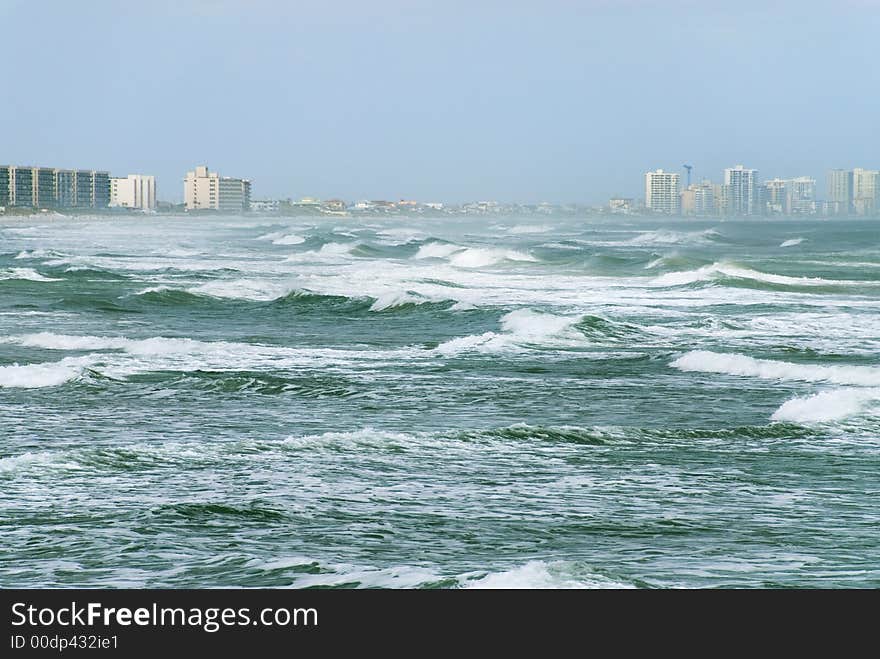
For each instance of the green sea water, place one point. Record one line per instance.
(414, 402)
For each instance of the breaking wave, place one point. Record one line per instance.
(720, 271)
(25, 274)
(543, 575)
(827, 406)
(36, 376)
(471, 257)
(667, 237)
(791, 242)
(767, 369)
(521, 329)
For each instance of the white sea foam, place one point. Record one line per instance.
(16, 463)
(289, 239)
(28, 274)
(720, 270)
(36, 254)
(336, 249)
(121, 357)
(479, 257)
(667, 237)
(35, 376)
(543, 575)
(768, 369)
(437, 250)
(529, 229)
(522, 329)
(528, 324)
(394, 299)
(152, 346)
(181, 252)
(827, 405)
(792, 242)
(364, 438)
(261, 290)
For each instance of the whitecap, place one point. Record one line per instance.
(826, 406)
(27, 274)
(792, 242)
(478, 257)
(543, 575)
(720, 270)
(395, 299)
(289, 239)
(437, 250)
(767, 369)
(35, 376)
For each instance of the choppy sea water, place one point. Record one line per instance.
(401, 402)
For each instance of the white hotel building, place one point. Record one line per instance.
(661, 192)
(133, 191)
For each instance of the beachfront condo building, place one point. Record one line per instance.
(133, 191)
(204, 190)
(866, 191)
(661, 192)
(742, 191)
(47, 187)
(840, 191)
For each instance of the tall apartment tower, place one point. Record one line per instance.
(133, 191)
(661, 192)
(866, 191)
(205, 190)
(775, 198)
(4, 185)
(21, 186)
(840, 191)
(800, 195)
(43, 191)
(743, 190)
(46, 187)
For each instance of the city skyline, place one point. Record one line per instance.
(742, 192)
(522, 102)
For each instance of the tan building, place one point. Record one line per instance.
(133, 191)
(866, 191)
(205, 190)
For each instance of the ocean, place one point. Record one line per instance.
(456, 402)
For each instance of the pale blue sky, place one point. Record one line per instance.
(522, 101)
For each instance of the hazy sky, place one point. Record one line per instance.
(446, 100)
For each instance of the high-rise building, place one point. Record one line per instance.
(688, 201)
(100, 189)
(661, 192)
(866, 191)
(205, 190)
(704, 198)
(800, 195)
(840, 192)
(698, 199)
(83, 187)
(743, 191)
(45, 187)
(774, 198)
(65, 188)
(21, 186)
(133, 191)
(4, 185)
(721, 194)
